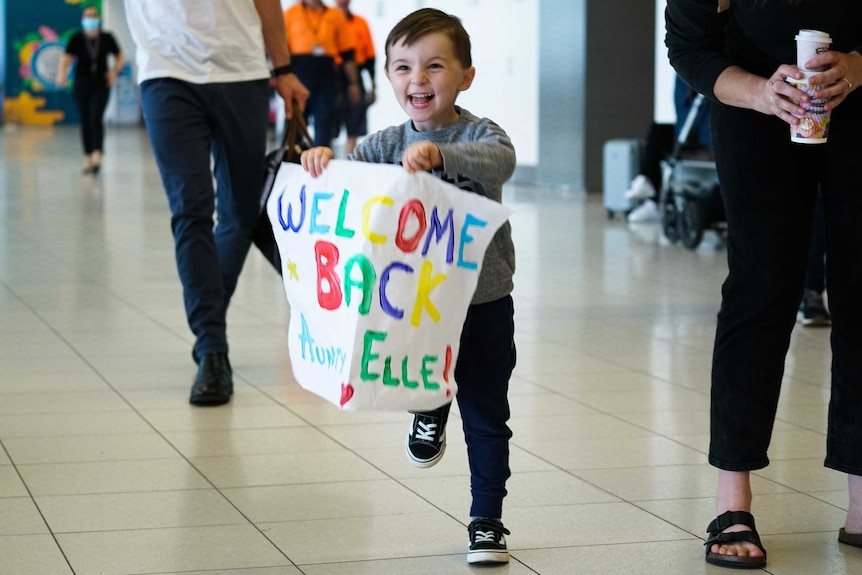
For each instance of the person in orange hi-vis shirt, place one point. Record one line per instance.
(318, 37)
(352, 115)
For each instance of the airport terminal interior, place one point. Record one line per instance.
(105, 468)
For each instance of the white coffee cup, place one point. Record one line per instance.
(809, 43)
(813, 126)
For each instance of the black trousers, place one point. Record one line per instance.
(659, 145)
(485, 363)
(769, 187)
(91, 101)
(815, 278)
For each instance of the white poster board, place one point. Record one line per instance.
(379, 268)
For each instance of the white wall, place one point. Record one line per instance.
(505, 41)
(664, 74)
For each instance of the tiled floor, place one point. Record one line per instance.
(105, 468)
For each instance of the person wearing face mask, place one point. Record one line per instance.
(89, 49)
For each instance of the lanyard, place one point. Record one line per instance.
(92, 45)
(315, 27)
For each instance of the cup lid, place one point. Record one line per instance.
(815, 35)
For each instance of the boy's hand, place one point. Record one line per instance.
(315, 160)
(421, 157)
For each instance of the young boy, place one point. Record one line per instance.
(428, 63)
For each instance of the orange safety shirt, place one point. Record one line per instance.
(362, 37)
(325, 29)
(317, 40)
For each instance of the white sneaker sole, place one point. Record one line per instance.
(425, 463)
(486, 556)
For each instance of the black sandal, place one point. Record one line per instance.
(721, 523)
(854, 539)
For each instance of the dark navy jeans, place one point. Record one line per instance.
(769, 186)
(485, 363)
(320, 108)
(190, 124)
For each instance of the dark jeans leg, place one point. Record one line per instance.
(770, 211)
(485, 363)
(239, 147)
(187, 123)
(178, 123)
(321, 108)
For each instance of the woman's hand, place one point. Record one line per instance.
(781, 99)
(843, 73)
(315, 160)
(778, 98)
(63, 70)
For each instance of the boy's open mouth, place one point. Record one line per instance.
(420, 100)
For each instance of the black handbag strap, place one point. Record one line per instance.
(296, 137)
(289, 151)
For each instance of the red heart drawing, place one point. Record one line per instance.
(346, 393)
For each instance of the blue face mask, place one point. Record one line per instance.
(89, 23)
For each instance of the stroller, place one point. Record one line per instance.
(690, 198)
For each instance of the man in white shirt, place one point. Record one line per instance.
(205, 93)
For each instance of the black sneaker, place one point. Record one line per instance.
(812, 312)
(426, 441)
(487, 542)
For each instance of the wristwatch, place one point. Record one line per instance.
(282, 70)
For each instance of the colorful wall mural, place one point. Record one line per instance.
(35, 35)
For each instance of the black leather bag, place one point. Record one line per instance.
(295, 141)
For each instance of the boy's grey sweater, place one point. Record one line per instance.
(478, 157)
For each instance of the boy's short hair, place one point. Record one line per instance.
(428, 21)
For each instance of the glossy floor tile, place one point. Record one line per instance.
(105, 468)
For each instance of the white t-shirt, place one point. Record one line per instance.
(198, 41)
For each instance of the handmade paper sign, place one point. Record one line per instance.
(379, 269)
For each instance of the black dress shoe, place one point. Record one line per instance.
(214, 382)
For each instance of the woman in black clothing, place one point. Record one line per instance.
(740, 56)
(93, 80)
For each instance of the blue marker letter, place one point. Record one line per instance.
(466, 238)
(313, 227)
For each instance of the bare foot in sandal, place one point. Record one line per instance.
(740, 548)
(733, 540)
(851, 533)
